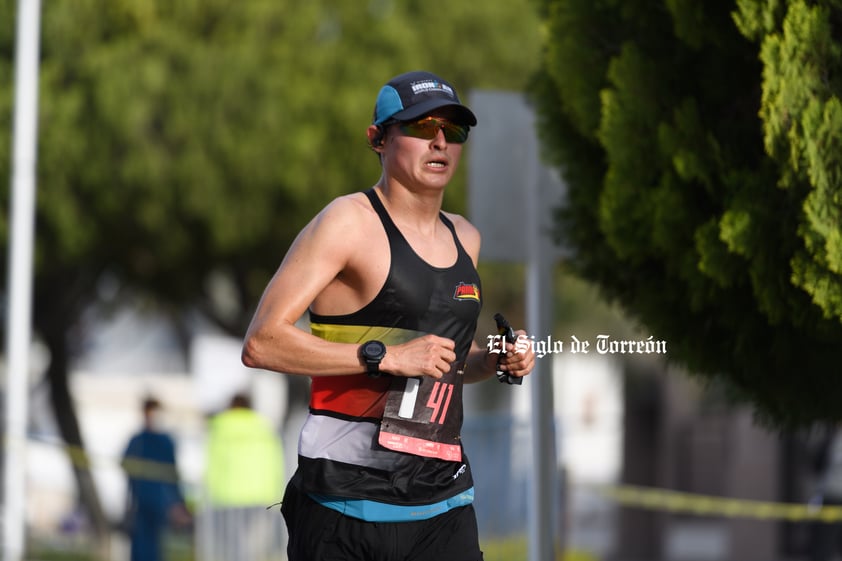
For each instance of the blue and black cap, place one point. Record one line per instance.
(414, 94)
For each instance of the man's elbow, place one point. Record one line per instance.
(250, 355)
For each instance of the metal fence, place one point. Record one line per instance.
(252, 533)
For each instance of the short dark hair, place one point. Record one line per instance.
(150, 404)
(241, 400)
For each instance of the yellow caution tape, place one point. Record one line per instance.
(704, 505)
(138, 468)
(635, 496)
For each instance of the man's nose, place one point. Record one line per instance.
(439, 140)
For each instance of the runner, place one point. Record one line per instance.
(391, 287)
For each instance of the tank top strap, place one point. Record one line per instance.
(446, 221)
(392, 230)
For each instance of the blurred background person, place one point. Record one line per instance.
(155, 499)
(244, 477)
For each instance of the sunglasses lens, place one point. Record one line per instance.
(428, 129)
(455, 133)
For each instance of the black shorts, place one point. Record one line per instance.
(318, 533)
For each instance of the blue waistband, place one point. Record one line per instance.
(373, 511)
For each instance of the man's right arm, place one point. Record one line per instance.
(318, 255)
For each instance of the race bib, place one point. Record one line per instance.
(423, 416)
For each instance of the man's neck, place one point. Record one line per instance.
(417, 208)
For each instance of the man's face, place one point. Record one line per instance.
(422, 162)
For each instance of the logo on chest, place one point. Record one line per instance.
(466, 291)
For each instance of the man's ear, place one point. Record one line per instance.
(376, 136)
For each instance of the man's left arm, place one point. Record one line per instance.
(483, 362)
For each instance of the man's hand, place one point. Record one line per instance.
(429, 355)
(519, 358)
(180, 516)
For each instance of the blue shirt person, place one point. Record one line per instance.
(154, 498)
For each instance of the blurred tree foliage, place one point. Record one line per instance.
(702, 146)
(183, 138)
(183, 144)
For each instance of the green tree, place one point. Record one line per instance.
(700, 142)
(183, 144)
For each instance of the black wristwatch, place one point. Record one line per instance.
(372, 353)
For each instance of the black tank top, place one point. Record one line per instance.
(421, 443)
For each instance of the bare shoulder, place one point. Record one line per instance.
(334, 233)
(469, 235)
(346, 216)
(344, 209)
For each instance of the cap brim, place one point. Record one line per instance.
(463, 115)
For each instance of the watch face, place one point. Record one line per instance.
(374, 349)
